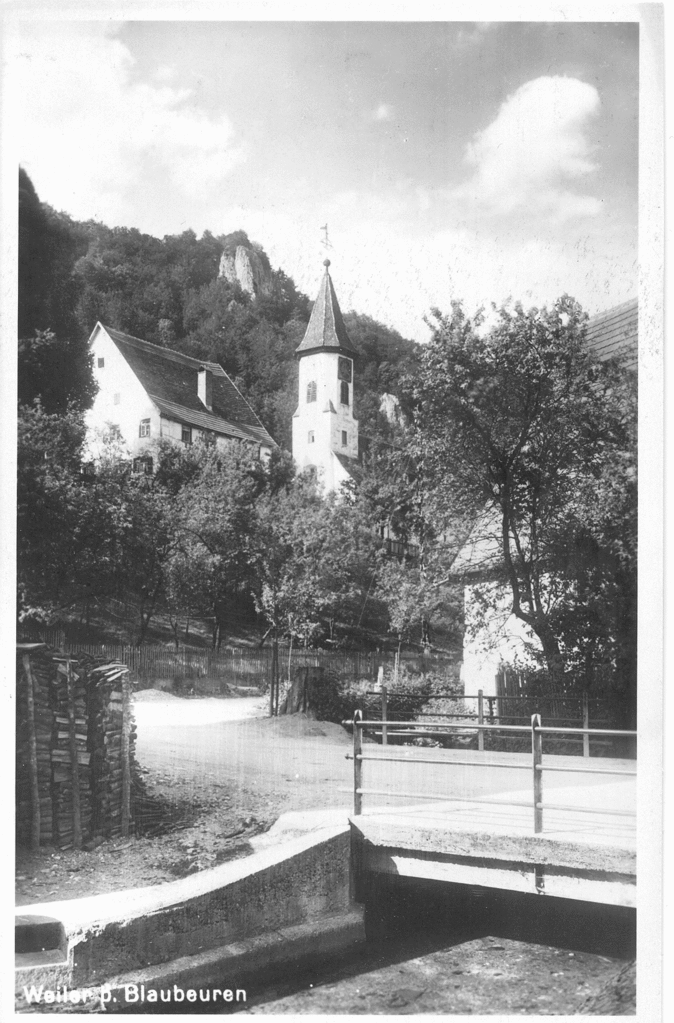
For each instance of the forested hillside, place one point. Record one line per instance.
(168, 291)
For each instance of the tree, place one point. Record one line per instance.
(54, 361)
(48, 502)
(313, 565)
(214, 516)
(518, 420)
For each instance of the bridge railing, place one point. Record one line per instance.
(434, 729)
(491, 709)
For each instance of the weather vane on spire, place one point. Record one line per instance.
(326, 244)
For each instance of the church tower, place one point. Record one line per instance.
(325, 434)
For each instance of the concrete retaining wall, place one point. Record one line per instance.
(304, 881)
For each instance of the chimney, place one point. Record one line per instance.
(205, 388)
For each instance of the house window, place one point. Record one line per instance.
(116, 398)
(311, 436)
(311, 391)
(344, 393)
(186, 435)
(143, 465)
(101, 363)
(345, 439)
(144, 428)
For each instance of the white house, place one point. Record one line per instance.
(150, 393)
(325, 433)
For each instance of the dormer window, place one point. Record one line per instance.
(311, 391)
(344, 393)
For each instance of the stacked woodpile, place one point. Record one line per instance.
(70, 758)
(112, 735)
(34, 741)
(75, 748)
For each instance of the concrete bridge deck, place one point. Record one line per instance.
(482, 832)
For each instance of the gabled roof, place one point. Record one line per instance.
(326, 329)
(614, 333)
(171, 381)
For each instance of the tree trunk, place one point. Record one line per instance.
(553, 657)
(273, 689)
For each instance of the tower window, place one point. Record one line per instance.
(101, 363)
(311, 391)
(345, 439)
(311, 437)
(344, 393)
(144, 430)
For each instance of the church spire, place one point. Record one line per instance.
(326, 329)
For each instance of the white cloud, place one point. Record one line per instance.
(384, 112)
(528, 160)
(91, 136)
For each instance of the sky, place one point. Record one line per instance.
(468, 160)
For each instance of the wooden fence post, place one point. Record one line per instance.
(357, 763)
(480, 719)
(384, 716)
(74, 765)
(537, 757)
(32, 757)
(586, 724)
(126, 760)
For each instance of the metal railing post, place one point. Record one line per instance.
(480, 719)
(537, 757)
(586, 724)
(384, 716)
(357, 763)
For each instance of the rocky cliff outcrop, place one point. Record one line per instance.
(248, 268)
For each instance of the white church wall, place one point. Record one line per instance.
(318, 425)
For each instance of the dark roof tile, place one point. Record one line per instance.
(326, 328)
(614, 333)
(170, 378)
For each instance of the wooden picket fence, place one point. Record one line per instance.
(245, 666)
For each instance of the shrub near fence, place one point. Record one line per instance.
(245, 666)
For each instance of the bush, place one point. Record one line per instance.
(334, 698)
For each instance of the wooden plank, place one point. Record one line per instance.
(74, 766)
(126, 761)
(32, 756)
